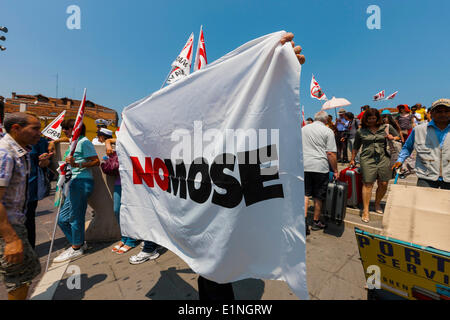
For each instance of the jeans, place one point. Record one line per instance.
(149, 247)
(73, 211)
(341, 146)
(117, 197)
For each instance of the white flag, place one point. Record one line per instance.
(392, 96)
(378, 96)
(200, 56)
(316, 91)
(184, 59)
(228, 220)
(53, 130)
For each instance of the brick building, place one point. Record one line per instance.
(47, 108)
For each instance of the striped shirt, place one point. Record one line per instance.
(14, 171)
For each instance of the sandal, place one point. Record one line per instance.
(117, 247)
(364, 219)
(124, 249)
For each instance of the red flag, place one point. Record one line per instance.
(378, 96)
(200, 57)
(76, 132)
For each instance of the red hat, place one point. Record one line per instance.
(403, 105)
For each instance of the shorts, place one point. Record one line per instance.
(316, 184)
(371, 170)
(16, 275)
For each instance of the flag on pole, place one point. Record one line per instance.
(316, 91)
(64, 168)
(378, 96)
(303, 116)
(181, 67)
(392, 96)
(53, 130)
(200, 56)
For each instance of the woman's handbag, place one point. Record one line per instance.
(111, 165)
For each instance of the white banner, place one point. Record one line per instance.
(53, 130)
(233, 219)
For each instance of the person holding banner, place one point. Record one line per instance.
(210, 290)
(72, 216)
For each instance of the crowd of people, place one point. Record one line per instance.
(413, 140)
(372, 139)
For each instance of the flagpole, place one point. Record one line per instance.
(61, 200)
(166, 78)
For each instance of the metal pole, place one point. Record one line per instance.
(54, 229)
(166, 78)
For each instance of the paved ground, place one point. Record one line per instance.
(333, 270)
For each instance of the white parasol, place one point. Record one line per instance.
(335, 103)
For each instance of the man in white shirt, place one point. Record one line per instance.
(319, 152)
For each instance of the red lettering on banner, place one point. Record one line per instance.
(162, 183)
(139, 174)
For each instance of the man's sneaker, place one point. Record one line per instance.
(318, 225)
(69, 254)
(141, 257)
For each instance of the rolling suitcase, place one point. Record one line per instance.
(353, 177)
(336, 201)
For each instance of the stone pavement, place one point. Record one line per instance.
(334, 270)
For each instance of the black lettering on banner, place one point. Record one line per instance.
(202, 194)
(234, 191)
(362, 241)
(252, 180)
(396, 263)
(381, 258)
(410, 253)
(390, 249)
(441, 263)
(446, 279)
(176, 179)
(411, 268)
(430, 275)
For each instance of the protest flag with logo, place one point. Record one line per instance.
(200, 56)
(181, 67)
(392, 96)
(378, 96)
(53, 130)
(316, 91)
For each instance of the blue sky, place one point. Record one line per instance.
(124, 49)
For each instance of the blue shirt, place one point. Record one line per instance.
(84, 150)
(342, 125)
(408, 147)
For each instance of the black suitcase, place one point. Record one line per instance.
(336, 201)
